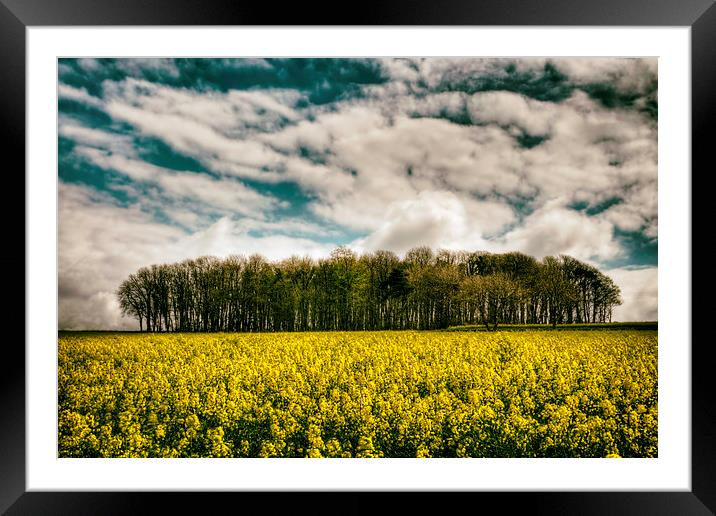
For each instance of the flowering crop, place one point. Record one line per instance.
(359, 394)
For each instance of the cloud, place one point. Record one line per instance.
(197, 139)
(590, 153)
(396, 161)
(207, 193)
(89, 64)
(87, 136)
(293, 227)
(81, 95)
(102, 242)
(99, 243)
(217, 193)
(639, 288)
(139, 66)
(439, 219)
(554, 230)
(626, 75)
(231, 112)
(507, 108)
(226, 237)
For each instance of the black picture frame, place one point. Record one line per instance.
(17, 15)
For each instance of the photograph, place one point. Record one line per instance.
(357, 257)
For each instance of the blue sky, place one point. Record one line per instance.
(166, 159)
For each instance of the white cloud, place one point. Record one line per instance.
(207, 193)
(554, 230)
(507, 108)
(396, 162)
(218, 129)
(226, 237)
(195, 138)
(224, 194)
(89, 64)
(291, 226)
(101, 243)
(439, 219)
(230, 112)
(81, 95)
(138, 65)
(87, 136)
(639, 288)
(303, 134)
(591, 154)
(627, 75)
(434, 72)
(135, 169)
(401, 69)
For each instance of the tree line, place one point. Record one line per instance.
(375, 291)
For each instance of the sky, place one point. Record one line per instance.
(166, 159)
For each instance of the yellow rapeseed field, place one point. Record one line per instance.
(359, 394)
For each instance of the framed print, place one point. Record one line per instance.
(423, 247)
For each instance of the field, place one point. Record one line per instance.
(359, 394)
